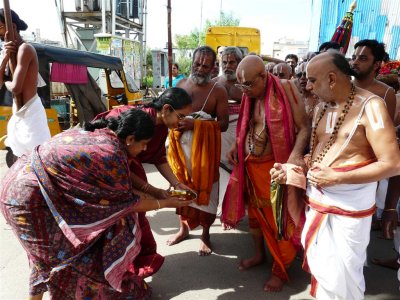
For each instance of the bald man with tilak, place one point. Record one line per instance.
(283, 71)
(271, 114)
(352, 146)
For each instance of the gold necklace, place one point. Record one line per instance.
(333, 136)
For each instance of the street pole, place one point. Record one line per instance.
(169, 45)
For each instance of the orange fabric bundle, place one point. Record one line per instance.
(205, 157)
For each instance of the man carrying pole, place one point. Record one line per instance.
(27, 127)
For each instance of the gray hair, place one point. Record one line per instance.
(233, 50)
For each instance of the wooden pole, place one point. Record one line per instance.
(169, 45)
(11, 37)
(10, 30)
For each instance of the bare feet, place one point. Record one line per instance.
(182, 234)
(205, 245)
(386, 263)
(274, 284)
(251, 262)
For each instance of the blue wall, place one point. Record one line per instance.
(368, 22)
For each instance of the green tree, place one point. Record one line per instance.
(148, 80)
(197, 37)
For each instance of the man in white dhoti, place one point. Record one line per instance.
(199, 145)
(353, 145)
(27, 127)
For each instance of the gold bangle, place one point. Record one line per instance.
(390, 209)
(159, 205)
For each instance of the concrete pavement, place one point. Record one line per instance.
(185, 275)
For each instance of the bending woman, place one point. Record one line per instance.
(73, 208)
(166, 111)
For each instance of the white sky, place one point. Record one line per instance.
(274, 18)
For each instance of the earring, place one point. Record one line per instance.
(127, 144)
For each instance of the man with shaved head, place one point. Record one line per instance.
(270, 114)
(283, 71)
(352, 146)
(269, 67)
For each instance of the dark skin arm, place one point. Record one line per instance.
(389, 215)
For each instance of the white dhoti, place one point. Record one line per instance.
(228, 139)
(335, 238)
(186, 144)
(27, 127)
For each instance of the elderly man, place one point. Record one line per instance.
(230, 58)
(270, 114)
(352, 145)
(366, 61)
(283, 71)
(194, 151)
(310, 99)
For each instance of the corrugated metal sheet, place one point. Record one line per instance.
(373, 19)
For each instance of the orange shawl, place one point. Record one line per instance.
(206, 152)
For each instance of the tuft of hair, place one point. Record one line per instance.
(131, 122)
(377, 49)
(176, 97)
(340, 62)
(292, 56)
(328, 45)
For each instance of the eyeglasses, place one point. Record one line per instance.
(247, 85)
(179, 116)
(300, 74)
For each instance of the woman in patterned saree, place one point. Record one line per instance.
(166, 111)
(72, 206)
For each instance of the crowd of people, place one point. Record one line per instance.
(307, 146)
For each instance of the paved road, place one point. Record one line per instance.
(185, 275)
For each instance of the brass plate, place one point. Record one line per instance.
(189, 195)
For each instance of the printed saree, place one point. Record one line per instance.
(71, 205)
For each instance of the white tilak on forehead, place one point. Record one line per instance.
(280, 69)
(362, 50)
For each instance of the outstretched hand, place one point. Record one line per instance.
(181, 186)
(176, 202)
